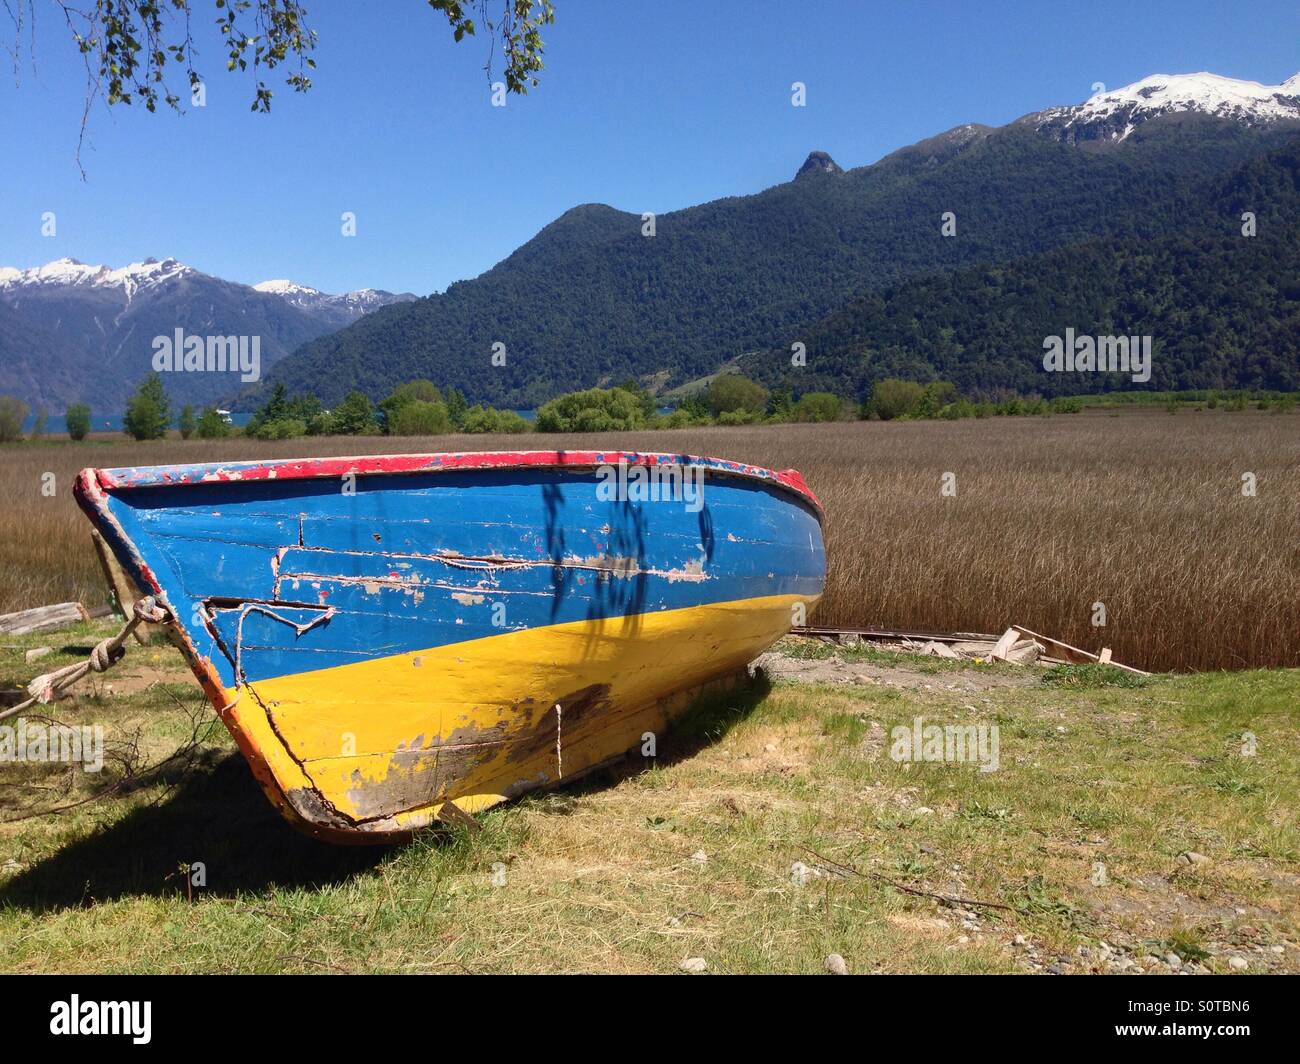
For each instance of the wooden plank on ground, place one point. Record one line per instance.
(1074, 654)
(1005, 642)
(43, 618)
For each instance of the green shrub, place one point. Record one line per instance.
(934, 397)
(731, 392)
(737, 417)
(483, 419)
(288, 428)
(212, 426)
(186, 422)
(419, 417)
(681, 418)
(13, 412)
(321, 424)
(147, 411)
(417, 391)
(355, 416)
(594, 410)
(893, 398)
(511, 422)
(817, 406)
(279, 407)
(78, 421)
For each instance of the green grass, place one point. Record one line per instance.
(604, 876)
(1092, 676)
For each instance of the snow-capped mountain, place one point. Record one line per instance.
(70, 272)
(157, 273)
(67, 322)
(349, 306)
(1114, 114)
(588, 300)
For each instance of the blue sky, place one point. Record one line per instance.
(645, 105)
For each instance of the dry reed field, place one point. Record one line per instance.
(1141, 511)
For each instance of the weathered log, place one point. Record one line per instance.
(43, 618)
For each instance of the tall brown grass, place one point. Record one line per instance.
(1141, 511)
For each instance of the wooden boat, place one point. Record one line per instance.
(384, 635)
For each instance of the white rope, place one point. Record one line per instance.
(257, 607)
(106, 653)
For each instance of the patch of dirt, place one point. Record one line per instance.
(839, 670)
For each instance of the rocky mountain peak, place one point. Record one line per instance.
(818, 162)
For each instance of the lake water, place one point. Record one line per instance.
(56, 426)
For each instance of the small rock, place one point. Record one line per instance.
(1238, 964)
(800, 873)
(700, 857)
(37, 652)
(1191, 857)
(969, 925)
(1277, 949)
(1173, 960)
(770, 748)
(1149, 960)
(835, 964)
(922, 810)
(1123, 964)
(695, 965)
(1020, 940)
(962, 939)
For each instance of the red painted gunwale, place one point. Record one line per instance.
(306, 468)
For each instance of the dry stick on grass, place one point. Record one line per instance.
(132, 773)
(949, 899)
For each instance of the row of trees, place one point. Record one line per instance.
(13, 414)
(420, 408)
(416, 408)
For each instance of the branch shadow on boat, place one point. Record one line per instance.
(615, 593)
(216, 814)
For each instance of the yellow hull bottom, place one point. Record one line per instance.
(372, 750)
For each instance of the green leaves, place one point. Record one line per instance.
(127, 43)
(148, 412)
(516, 30)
